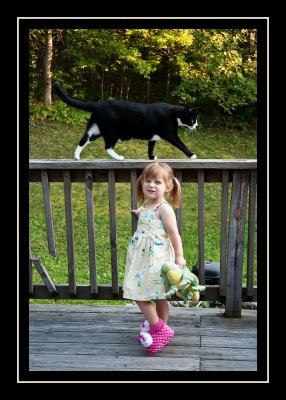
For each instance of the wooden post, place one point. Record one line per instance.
(113, 235)
(48, 212)
(236, 243)
(69, 231)
(201, 227)
(90, 229)
(133, 181)
(251, 233)
(178, 211)
(223, 232)
(44, 274)
(30, 269)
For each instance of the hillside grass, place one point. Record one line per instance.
(56, 140)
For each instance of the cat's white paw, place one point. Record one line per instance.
(114, 155)
(193, 156)
(76, 157)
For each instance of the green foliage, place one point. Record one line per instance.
(59, 111)
(205, 67)
(219, 70)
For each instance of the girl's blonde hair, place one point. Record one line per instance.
(163, 171)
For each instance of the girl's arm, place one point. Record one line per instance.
(168, 218)
(136, 212)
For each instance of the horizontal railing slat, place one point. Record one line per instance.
(105, 292)
(208, 163)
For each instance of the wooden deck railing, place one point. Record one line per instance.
(240, 174)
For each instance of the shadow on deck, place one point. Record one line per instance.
(103, 338)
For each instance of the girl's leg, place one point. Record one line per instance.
(149, 311)
(160, 333)
(162, 308)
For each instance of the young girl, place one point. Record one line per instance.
(155, 241)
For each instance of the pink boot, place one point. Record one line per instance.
(161, 335)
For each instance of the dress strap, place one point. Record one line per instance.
(156, 208)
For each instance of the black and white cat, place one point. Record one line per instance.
(119, 120)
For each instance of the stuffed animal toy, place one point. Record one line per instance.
(181, 281)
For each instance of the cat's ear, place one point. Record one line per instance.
(188, 107)
(195, 110)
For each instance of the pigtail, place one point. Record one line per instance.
(139, 191)
(174, 196)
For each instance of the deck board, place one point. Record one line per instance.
(103, 338)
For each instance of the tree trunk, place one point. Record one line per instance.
(168, 83)
(102, 86)
(127, 89)
(148, 91)
(47, 68)
(121, 87)
(111, 89)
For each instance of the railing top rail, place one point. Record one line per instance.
(208, 163)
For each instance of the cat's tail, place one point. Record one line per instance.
(81, 105)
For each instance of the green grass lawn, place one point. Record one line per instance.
(55, 140)
(58, 140)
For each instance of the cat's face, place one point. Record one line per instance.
(188, 118)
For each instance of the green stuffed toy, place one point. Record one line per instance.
(181, 281)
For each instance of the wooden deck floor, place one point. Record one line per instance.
(103, 338)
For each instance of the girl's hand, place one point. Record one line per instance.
(180, 261)
(136, 212)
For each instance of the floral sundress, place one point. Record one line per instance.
(148, 249)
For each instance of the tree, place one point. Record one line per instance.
(220, 69)
(215, 68)
(47, 68)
